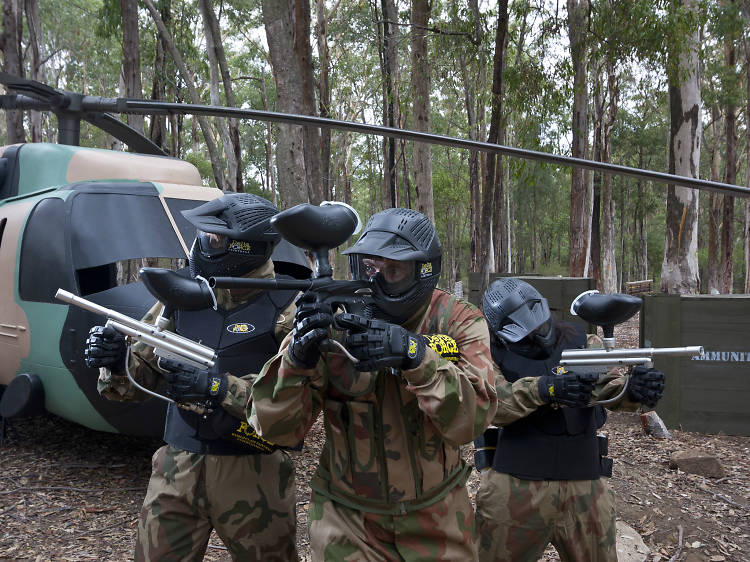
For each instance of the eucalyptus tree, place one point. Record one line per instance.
(10, 44)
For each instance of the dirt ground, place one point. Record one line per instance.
(69, 493)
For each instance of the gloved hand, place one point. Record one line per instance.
(311, 323)
(569, 389)
(105, 347)
(646, 385)
(186, 383)
(379, 344)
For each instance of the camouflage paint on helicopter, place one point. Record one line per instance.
(68, 215)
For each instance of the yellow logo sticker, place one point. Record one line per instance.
(446, 346)
(412, 347)
(240, 328)
(426, 269)
(215, 386)
(240, 246)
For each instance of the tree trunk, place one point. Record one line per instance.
(31, 8)
(271, 177)
(474, 190)
(746, 237)
(488, 193)
(218, 65)
(158, 130)
(420, 83)
(324, 97)
(609, 258)
(290, 161)
(390, 72)
(595, 252)
(310, 134)
(579, 226)
(10, 43)
(726, 275)
(131, 59)
(189, 79)
(679, 272)
(714, 207)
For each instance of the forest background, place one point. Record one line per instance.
(656, 84)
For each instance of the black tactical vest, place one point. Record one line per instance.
(244, 340)
(551, 443)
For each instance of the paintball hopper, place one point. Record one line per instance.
(605, 311)
(318, 229)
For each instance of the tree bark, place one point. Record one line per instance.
(746, 236)
(131, 59)
(488, 193)
(218, 65)
(420, 82)
(10, 42)
(714, 207)
(324, 96)
(290, 161)
(726, 274)
(595, 251)
(189, 79)
(609, 258)
(679, 271)
(390, 72)
(158, 130)
(310, 134)
(31, 7)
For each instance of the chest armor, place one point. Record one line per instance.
(551, 443)
(244, 340)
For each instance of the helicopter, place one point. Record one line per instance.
(73, 218)
(69, 215)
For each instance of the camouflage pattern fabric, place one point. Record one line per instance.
(517, 519)
(392, 439)
(442, 532)
(249, 500)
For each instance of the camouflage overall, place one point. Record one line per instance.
(249, 499)
(390, 473)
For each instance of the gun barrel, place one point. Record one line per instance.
(150, 335)
(181, 347)
(262, 284)
(689, 351)
(603, 361)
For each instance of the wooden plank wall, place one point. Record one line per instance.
(711, 394)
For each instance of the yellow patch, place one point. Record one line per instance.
(412, 348)
(445, 346)
(241, 328)
(551, 390)
(214, 386)
(560, 370)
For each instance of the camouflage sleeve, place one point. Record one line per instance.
(459, 398)
(114, 385)
(515, 400)
(285, 400)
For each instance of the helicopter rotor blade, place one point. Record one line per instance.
(124, 132)
(92, 104)
(155, 107)
(33, 89)
(19, 101)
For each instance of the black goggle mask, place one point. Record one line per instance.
(393, 277)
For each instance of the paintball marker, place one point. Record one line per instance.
(607, 311)
(174, 292)
(317, 229)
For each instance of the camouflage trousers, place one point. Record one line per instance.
(517, 519)
(441, 532)
(249, 500)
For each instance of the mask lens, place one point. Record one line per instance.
(212, 245)
(394, 276)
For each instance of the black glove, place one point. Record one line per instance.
(105, 347)
(569, 389)
(377, 344)
(186, 383)
(646, 385)
(311, 323)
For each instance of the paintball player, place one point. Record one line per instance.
(417, 383)
(545, 482)
(214, 472)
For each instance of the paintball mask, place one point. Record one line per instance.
(519, 318)
(400, 252)
(234, 236)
